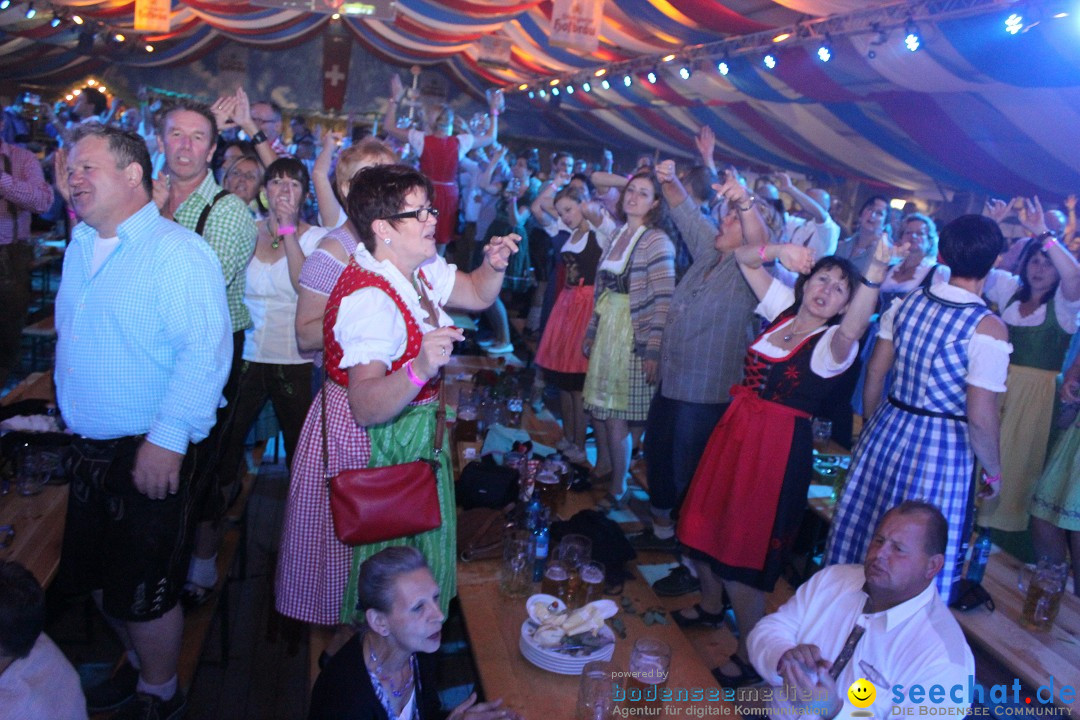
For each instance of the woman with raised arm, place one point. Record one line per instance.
(745, 503)
(440, 151)
(634, 283)
(1039, 305)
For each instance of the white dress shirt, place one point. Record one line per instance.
(918, 642)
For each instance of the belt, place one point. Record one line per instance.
(924, 412)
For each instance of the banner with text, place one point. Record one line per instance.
(575, 24)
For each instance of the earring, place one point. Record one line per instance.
(386, 240)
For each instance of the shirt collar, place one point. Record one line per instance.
(207, 188)
(955, 294)
(128, 229)
(898, 614)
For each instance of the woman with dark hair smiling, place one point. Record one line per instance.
(386, 337)
(950, 356)
(744, 506)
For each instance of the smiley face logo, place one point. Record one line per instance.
(862, 693)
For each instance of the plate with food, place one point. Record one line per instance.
(563, 641)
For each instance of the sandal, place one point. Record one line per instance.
(747, 674)
(703, 619)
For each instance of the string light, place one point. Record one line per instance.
(912, 41)
(523, 87)
(627, 80)
(30, 12)
(824, 52)
(605, 84)
(555, 91)
(586, 86)
(569, 89)
(651, 77)
(684, 73)
(667, 58)
(723, 68)
(77, 19)
(770, 61)
(149, 48)
(5, 4)
(781, 37)
(119, 37)
(55, 22)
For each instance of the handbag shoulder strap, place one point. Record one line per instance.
(440, 425)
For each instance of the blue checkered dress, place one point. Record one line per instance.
(902, 455)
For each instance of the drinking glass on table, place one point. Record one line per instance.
(591, 576)
(556, 580)
(650, 663)
(33, 471)
(822, 431)
(596, 696)
(519, 557)
(574, 550)
(1043, 586)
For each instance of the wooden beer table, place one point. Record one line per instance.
(38, 520)
(1030, 655)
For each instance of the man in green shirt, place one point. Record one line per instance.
(186, 192)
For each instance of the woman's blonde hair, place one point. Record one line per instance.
(369, 151)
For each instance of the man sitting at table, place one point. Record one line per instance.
(36, 680)
(143, 350)
(881, 621)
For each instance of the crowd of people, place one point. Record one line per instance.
(678, 311)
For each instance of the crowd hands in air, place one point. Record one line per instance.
(620, 278)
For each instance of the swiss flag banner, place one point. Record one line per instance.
(337, 48)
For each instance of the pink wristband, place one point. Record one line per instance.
(991, 480)
(286, 230)
(413, 377)
(761, 253)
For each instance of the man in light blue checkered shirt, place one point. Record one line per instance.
(143, 350)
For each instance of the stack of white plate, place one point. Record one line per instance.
(558, 662)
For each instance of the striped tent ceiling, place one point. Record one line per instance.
(975, 109)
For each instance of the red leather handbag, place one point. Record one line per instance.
(371, 505)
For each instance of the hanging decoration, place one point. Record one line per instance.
(337, 49)
(575, 24)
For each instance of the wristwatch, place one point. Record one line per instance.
(258, 138)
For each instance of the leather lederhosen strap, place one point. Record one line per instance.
(205, 214)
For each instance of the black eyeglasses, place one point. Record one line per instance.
(422, 214)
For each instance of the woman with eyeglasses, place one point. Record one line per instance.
(386, 339)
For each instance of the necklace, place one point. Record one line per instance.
(387, 679)
(792, 332)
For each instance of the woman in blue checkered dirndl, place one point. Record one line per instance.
(950, 358)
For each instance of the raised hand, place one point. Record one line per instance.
(60, 173)
(435, 350)
(996, 209)
(223, 110)
(706, 143)
(396, 88)
(665, 171)
(242, 112)
(796, 258)
(1033, 218)
(499, 249)
(783, 181)
(885, 252)
(1070, 202)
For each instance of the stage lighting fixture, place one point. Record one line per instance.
(586, 87)
(531, 95)
(5, 4)
(30, 12)
(723, 68)
(668, 58)
(770, 61)
(555, 91)
(781, 37)
(543, 93)
(55, 22)
(912, 40)
(1014, 23)
(627, 80)
(601, 72)
(149, 48)
(569, 89)
(684, 73)
(77, 19)
(824, 52)
(523, 87)
(119, 37)
(605, 84)
(651, 77)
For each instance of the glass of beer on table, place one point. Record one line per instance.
(596, 697)
(591, 578)
(556, 580)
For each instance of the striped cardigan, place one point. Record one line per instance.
(652, 282)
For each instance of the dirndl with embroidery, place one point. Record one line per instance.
(916, 448)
